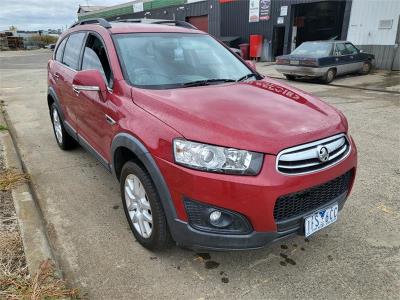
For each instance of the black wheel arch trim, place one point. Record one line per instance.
(134, 145)
(51, 92)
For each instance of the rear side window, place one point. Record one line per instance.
(60, 50)
(73, 49)
(341, 49)
(95, 58)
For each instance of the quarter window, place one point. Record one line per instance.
(95, 58)
(73, 49)
(60, 50)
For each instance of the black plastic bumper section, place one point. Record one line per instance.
(188, 236)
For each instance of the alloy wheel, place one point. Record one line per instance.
(57, 126)
(138, 206)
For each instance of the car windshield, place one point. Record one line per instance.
(171, 60)
(315, 49)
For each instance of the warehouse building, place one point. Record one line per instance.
(283, 24)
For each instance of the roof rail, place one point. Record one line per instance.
(100, 21)
(157, 21)
(176, 23)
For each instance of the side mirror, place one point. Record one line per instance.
(90, 80)
(361, 51)
(251, 64)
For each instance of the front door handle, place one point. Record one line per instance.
(56, 76)
(76, 91)
(110, 120)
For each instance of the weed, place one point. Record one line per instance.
(10, 179)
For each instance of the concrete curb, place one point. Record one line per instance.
(31, 223)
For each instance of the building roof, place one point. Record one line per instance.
(89, 8)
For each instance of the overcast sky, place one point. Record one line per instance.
(43, 14)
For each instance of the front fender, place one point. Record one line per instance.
(134, 145)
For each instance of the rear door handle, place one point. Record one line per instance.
(110, 120)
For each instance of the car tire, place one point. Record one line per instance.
(64, 140)
(290, 77)
(329, 76)
(366, 68)
(143, 208)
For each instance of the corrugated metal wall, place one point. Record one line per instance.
(176, 12)
(364, 28)
(365, 31)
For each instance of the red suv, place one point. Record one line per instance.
(208, 153)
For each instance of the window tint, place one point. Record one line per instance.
(60, 50)
(73, 49)
(351, 49)
(95, 57)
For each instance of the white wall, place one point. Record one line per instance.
(364, 22)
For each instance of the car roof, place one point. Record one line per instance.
(135, 26)
(119, 27)
(328, 41)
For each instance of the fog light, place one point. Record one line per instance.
(207, 218)
(215, 217)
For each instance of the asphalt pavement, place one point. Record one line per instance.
(356, 258)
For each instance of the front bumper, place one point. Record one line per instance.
(302, 70)
(253, 197)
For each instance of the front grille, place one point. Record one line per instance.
(306, 158)
(303, 202)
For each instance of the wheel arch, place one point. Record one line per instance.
(126, 147)
(53, 98)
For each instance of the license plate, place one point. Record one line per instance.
(294, 62)
(320, 219)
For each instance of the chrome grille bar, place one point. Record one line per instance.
(305, 158)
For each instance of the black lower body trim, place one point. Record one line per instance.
(186, 235)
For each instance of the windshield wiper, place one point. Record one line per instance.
(206, 82)
(247, 76)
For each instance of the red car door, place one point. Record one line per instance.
(55, 70)
(95, 115)
(66, 74)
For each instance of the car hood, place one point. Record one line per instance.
(264, 116)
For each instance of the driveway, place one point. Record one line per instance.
(357, 257)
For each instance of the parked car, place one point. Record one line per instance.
(324, 60)
(208, 153)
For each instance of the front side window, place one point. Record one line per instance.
(60, 50)
(351, 49)
(171, 60)
(313, 49)
(73, 50)
(95, 58)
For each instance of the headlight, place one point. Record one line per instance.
(217, 159)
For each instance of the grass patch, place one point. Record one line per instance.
(43, 285)
(3, 127)
(10, 179)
